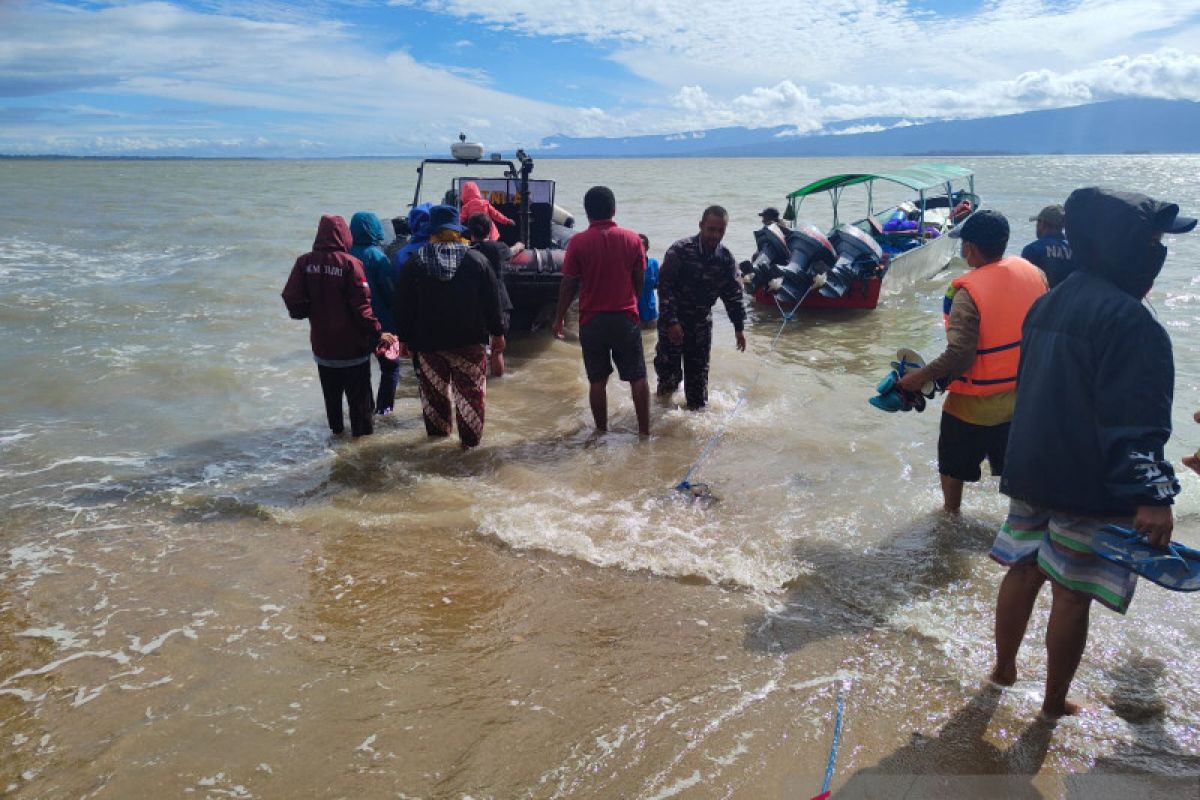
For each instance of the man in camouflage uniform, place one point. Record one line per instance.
(695, 272)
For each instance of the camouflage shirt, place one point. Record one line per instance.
(690, 281)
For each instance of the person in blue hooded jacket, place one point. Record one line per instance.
(418, 229)
(367, 233)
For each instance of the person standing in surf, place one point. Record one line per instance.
(696, 271)
(1086, 448)
(367, 232)
(606, 265)
(328, 288)
(983, 311)
(498, 254)
(647, 298)
(447, 305)
(1050, 252)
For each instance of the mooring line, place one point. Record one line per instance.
(686, 485)
(833, 750)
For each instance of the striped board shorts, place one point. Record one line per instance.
(1061, 546)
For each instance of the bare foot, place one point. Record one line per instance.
(1068, 708)
(1003, 677)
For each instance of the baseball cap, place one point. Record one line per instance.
(1167, 219)
(769, 211)
(1054, 216)
(985, 227)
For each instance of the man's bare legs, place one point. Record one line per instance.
(1014, 606)
(640, 390)
(1066, 637)
(952, 490)
(598, 398)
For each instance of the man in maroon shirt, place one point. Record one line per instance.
(606, 264)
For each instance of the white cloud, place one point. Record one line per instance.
(283, 76)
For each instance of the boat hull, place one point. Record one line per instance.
(863, 293)
(921, 263)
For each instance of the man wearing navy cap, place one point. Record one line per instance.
(983, 312)
(1050, 252)
(1086, 445)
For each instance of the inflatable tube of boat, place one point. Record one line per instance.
(537, 260)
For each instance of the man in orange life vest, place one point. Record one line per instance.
(984, 310)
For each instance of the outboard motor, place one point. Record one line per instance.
(811, 254)
(858, 256)
(771, 249)
(808, 254)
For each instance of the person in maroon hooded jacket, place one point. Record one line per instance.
(329, 289)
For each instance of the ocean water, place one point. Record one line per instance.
(202, 592)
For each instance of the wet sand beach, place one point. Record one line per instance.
(203, 594)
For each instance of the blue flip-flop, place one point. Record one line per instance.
(1175, 567)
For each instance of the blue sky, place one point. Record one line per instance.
(395, 77)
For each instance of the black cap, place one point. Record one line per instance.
(986, 228)
(1103, 212)
(1167, 219)
(1111, 233)
(769, 212)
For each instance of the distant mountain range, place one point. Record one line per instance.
(1116, 126)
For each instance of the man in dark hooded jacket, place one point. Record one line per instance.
(328, 288)
(1093, 413)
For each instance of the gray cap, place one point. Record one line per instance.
(1054, 216)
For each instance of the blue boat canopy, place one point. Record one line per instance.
(917, 177)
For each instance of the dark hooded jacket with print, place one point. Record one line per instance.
(447, 298)
(1096, 377)
(328, 288)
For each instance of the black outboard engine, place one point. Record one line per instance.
(808, 254)
(858, 256)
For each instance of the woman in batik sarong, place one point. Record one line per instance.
(447, 306)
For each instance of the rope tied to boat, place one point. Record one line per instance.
(699, 489)
(833, 748)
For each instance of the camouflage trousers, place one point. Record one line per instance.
(687, 362)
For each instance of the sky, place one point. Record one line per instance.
(404, 77)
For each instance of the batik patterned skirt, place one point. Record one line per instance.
(453, 381)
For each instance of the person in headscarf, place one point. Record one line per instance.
(328, 288)
(474, 203)
(447, 309)
(367, 232)
(418, 228)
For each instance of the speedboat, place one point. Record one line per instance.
(845, 267)
(532, 276)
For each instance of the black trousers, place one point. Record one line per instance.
(355, 383)
(687, 361)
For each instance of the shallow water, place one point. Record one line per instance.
(204, 593)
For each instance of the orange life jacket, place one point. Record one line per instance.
(1003, 291)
